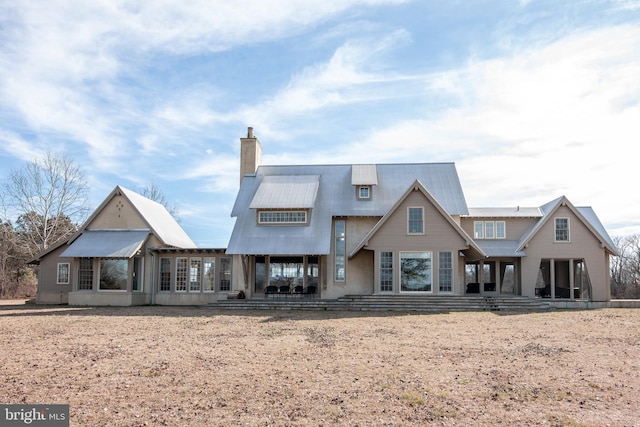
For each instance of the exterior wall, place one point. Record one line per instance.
(359, 270)
(189, 297)
(114, 298)
(118, 214)
(49, 291)
(439, 236)
(514, 227)
(582, 245)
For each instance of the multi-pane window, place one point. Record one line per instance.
(386, 271)
(340, 251)
(562, 229)
(282, 217)
(181, 274)
(415, 222)
(225, 274)
(165, 274)
(85, 274)
(364, 192)
(195, 270)
(478, 230)
(489, 230)
(415, 271)
(445, 271)
(209, 277)
(63, 273)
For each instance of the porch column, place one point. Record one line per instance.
(552, 277)
(571, 279)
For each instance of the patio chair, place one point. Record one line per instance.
(284, 290)
(298, 290)
(273, 290)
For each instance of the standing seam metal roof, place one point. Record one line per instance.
(336, 196)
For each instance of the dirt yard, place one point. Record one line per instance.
(159, 366)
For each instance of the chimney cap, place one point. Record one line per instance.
(250, 132)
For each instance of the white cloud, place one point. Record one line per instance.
(351, 75)
(559, 119)
(60, 65)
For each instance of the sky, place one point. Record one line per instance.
(531, 99)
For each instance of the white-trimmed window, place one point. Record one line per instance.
(415, 220)
(562, 230)
(445, 272)
(364, 192)
(282, 217)
(489, 230)
(386, 271)
(165, 274)
(63, 273)
(209, 276)
(195, 274)
(181, 274)
(478, 229)
(415, 272)
(340, 251)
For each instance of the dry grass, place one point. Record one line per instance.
(170, 366)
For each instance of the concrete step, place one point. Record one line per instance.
(391, 303)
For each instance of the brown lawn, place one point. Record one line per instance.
(170, 366)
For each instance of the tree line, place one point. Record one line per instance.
(625, 269)
(48, 201)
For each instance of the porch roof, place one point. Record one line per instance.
(500, 248)
(107, 244)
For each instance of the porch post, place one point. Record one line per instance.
(571, 279)
(552, 277)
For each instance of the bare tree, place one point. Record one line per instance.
(153, 192)
(625, 268)
(49, 196)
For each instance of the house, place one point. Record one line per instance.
(328, 231)
(130, 251)
(405, 229)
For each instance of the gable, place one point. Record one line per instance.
(589, 227)
(438, 234)
(118, 213)
(581, 238)
(440, 230)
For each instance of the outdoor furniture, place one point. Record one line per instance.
(298, 290)
(273, 290)
(284, 290)
(473, 288)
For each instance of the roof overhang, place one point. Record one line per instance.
(106, 244)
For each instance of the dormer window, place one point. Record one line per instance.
(364, 177)
(364, 192)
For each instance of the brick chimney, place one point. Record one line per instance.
(250, 154)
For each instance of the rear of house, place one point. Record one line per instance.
(327, 231)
